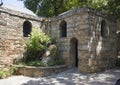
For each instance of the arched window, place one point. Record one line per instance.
(27, 28)
(63, 29)
(103, 28)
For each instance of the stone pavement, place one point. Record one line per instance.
(69, 77)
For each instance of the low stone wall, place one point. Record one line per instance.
(33, 71)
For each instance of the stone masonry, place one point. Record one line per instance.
(86, 38)
(90, 41)
(118, 38)
(11, 34)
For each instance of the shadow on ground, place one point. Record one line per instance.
(73, 77)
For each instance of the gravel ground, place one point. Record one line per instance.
(69, 77)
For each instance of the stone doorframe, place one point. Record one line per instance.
(74, 52)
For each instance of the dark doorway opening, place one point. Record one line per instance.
(74, 52)
(118, 44)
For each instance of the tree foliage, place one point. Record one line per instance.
(45, 8)
(113, 8)
(49, 8)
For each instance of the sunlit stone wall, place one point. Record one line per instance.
(86, 38)
(11, 34)
(90, 41)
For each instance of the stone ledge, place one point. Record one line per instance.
(40, 66)
(33, 71)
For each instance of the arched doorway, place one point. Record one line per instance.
(74, 52)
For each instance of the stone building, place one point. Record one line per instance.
(86, 39)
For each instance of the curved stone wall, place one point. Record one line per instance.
(32, 71)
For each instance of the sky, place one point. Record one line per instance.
(17, 3)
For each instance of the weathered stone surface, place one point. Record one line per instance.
(83, 46)
(3, 22)
(94, 52)
(32, 71)
(11, 34)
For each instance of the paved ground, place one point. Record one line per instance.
(70, 77)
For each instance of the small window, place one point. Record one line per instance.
(63, 29)
(103, 28)
(27, 28)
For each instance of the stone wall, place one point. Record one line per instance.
(11, 34)
(32, 71)
(85, 38)
(118, 38)
(93, 52)
(103, 47)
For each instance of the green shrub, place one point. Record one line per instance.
(36, 45)
(4, 74)
(36, 63)
(40, 63)
(22, 63)
(54, 60)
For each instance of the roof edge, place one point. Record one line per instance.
(21, 14)
(81, 10)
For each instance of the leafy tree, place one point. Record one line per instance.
(49, 8)
(31, 4)
(45, 7)
(113, 8)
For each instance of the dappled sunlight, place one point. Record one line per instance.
(69, 77)
(82, 38)
(76, 78)
(99, 48)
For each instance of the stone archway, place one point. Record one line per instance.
(74, 52)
